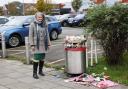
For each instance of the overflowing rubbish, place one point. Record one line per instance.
(98, 81)
(75, 41)
(75, 50)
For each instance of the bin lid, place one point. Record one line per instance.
(76, 49)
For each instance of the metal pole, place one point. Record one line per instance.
(86, 54)
(95, 52)
(91, 51)
(23, 8)
(27, 50)
(3, 46)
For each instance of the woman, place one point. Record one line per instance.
(39, 42)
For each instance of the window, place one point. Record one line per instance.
(48, 19)
(3, 20)
(29, 20)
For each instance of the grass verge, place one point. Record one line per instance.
(118, 73)
(16, 57)
(23, 60)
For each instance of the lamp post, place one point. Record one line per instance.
(23, 8)
(5, 10)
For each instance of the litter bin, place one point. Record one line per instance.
(75, 60)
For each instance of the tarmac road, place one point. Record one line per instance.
(56, 54)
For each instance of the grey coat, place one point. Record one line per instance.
(44, 41)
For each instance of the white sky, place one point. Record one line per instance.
(31, 1)
(2, 2)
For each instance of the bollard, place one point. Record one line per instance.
(27, 50)
(3, 45)
(91, 51)
(86, 54)
(95, 52)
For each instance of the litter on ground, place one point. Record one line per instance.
(100, 82)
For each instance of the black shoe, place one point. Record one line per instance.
(35, 76)
(41, 74)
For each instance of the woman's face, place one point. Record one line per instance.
(39, 18)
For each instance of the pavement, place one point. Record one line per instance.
(16, 75)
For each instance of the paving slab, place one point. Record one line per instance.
(7, 80)
(16, 75)
(3, 87)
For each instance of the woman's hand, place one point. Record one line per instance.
(33, 48)
(49, 46)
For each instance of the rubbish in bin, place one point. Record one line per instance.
(75, 50)
(75, 41)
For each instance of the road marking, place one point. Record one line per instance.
(15, 50)
(16, 47)
(17, 53)
(54, 62)
(94, 50)
(56, 45)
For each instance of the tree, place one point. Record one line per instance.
(15, 8)
(76, 4)
(1, 11)
(44, 6)
(110, 26)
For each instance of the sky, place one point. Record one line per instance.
(31, 1)
(2, 2)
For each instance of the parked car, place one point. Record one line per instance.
(3, 20)
(64, 19)
(57, 16)
(17, 29)
(77, 20)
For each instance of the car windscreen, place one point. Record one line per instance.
(80, 16)
(16, 21)
(3, 20)
(64, 16)
(50, 18)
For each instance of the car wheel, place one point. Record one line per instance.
(54, 35)
(14, 41)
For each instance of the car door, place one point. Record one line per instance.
(26, 24)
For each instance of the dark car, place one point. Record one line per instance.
(77, 20)
(17, 29)
(64, 19)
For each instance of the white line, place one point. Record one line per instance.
(17, 53)
(100, 52)
(56, 61)
(94, 50)
(15, 50)
(55, 45)
(64, 59)
(16, 47)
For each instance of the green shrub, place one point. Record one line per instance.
(110, 26)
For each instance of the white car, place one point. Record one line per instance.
(3, 20)
(57, 17)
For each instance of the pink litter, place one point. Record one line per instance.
(104, 84)
(90, 80)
